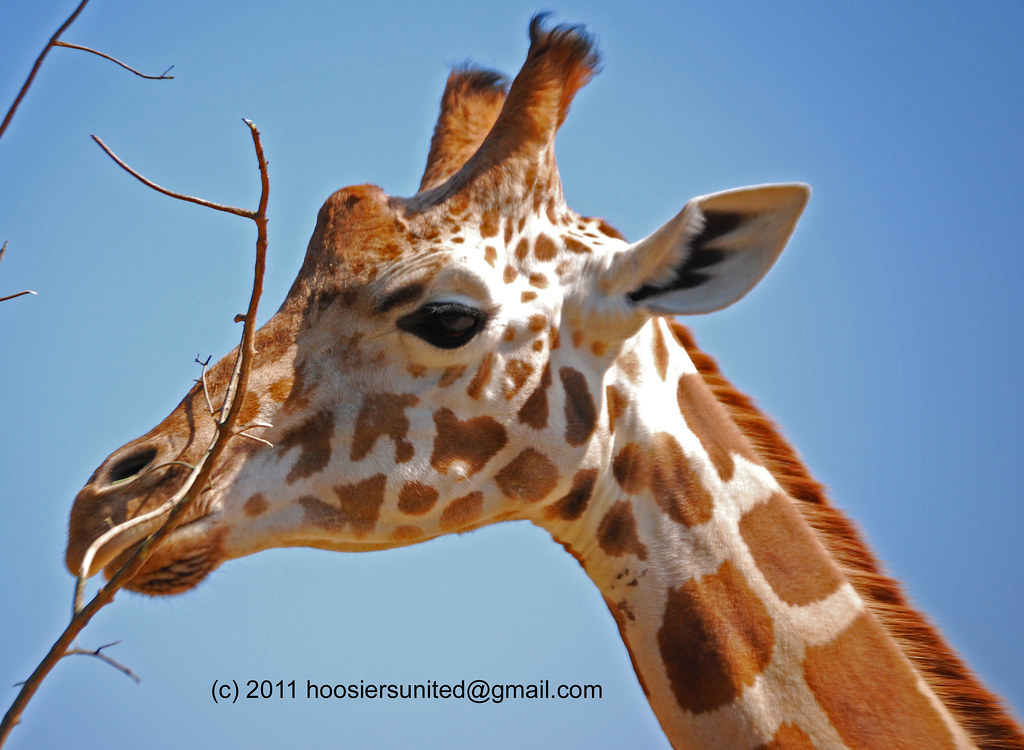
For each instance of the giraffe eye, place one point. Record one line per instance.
(447, 325)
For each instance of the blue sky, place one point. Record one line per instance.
(885, 342)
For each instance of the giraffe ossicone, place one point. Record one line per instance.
(479, 352)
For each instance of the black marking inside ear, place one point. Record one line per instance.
(716, 224)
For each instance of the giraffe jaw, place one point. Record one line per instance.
(177, 564)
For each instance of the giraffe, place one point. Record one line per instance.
(479, 352)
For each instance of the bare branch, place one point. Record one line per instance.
(162, 77)
(179, 196)
(98, 653)
(38, 63)
(19, 294)
(55, 42)
(197, 479)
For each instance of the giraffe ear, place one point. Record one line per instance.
(712, 252)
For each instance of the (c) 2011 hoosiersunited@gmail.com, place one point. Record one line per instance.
(476, 691)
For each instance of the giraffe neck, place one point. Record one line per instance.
(741, 627)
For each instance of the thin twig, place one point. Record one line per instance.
(19, 294)
(198, 478)
(162, 77)
(55, 42)
(98, 653)
(244, 212)
(38, 63)
(243, 431)
(202, 379)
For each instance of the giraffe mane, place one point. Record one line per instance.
(982, 714)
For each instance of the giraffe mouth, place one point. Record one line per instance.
(180, 562)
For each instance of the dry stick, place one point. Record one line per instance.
(162, 77)
(55, 42)
(39, 62)
(180, 196)
(198, 478)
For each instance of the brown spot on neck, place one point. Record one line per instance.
(570, 506)
(617, 532)
(708, 420)
(383, 414)
(787, 552)
(415, 498)
(250, 408)
(716, 638)
(534, 410)
(406, 532)
(462, 512)
(256, 505)
(281, 389)
(358, 507)
(617, 404)
(869, 692)
(580, 411)
(313, 438)
(631, 468)
(528, 477)
(471, 443)
(676, 487)
(629, 365)
(659, 349)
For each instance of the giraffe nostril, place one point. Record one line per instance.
(131, 465)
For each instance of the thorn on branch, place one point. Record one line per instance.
(98, 653)
(162, 77)
(202, 379)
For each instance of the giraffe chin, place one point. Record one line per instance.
(181, 563)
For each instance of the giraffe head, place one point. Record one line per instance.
(440, 361)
